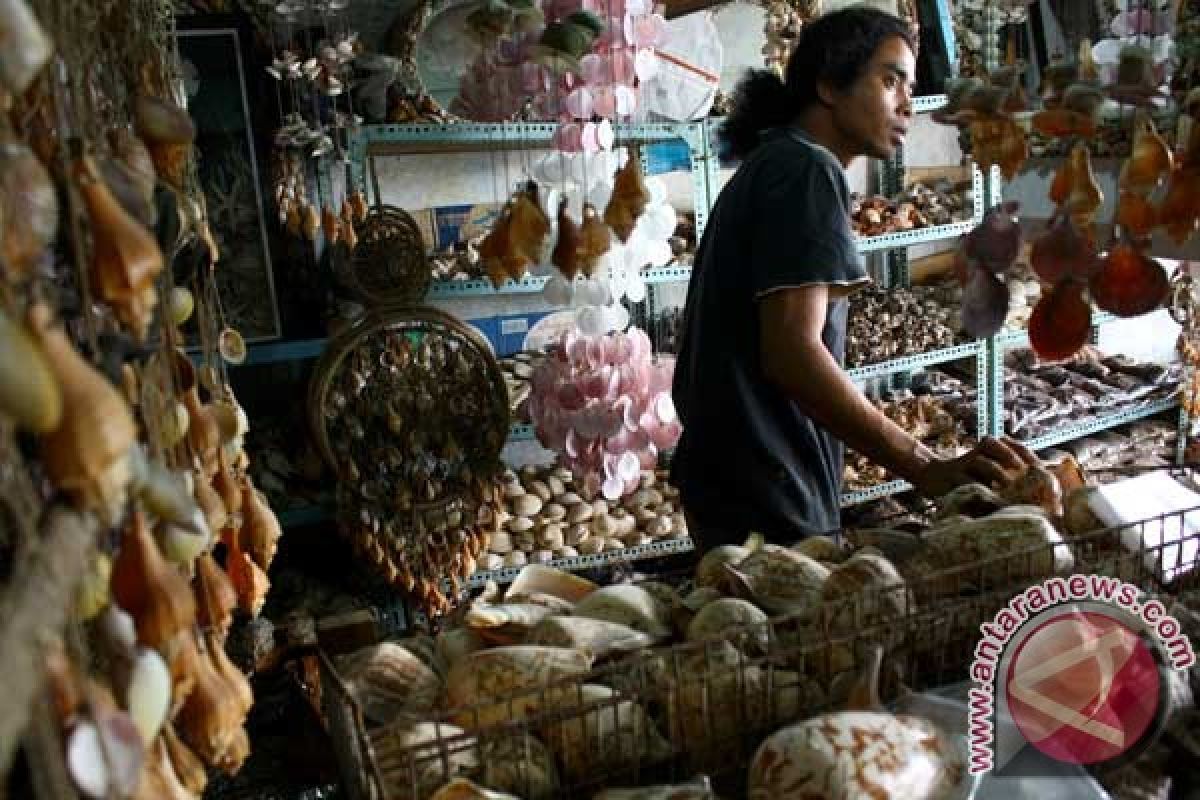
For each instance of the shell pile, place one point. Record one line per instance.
(458, 262)
(545, 518)
(1041, 397)
(569, 660)
(919, 206)
(518, 370)
(941, 421)
(890, 323)
(1139, 445)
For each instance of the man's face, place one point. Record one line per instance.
(873, 114)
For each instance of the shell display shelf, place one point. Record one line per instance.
(409, 409)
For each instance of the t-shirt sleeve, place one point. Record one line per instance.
(801, 231)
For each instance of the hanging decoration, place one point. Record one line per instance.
(1123, 79)
(602, 403)
(132, 467)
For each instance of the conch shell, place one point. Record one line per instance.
(260, 527)
(125, 256)
(779, 580)
(26, 48)
(595, 239)
(88, 454)
(463, 789)
(168, 132)
(1149, 160)
(566, 253)
(522, 765)
(506, 671)
(387, 681)
(895, 758)
(597, 637)
(742, 622)
(29, 393)
(1085, 196)
(535, 579)
(154, 593)
(629, 605)
(28, 205)
(422, 755)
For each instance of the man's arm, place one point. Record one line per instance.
(794, 357)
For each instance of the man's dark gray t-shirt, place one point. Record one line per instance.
(749, 459)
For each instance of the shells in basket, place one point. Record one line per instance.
(857, 754)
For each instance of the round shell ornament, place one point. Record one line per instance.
(408, 406)
(389, 264)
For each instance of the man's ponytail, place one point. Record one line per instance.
(760, 102)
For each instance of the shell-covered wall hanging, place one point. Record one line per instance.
(409, 408)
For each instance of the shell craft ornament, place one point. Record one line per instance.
(28, 208)
(126, 259)
(629, 197)
(88, 454)
(595, 240)
(567, 254)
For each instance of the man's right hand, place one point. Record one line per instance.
(993, 462)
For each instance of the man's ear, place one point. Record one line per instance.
(827, 95)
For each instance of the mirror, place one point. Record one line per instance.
(443, 50)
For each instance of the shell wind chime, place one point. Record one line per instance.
(133, 448)
(1158, 189)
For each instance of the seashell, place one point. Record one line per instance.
(148, 697)
(492, 561)
(820, 548)
(658, 527)
(540, 580)
(29, 204)
(29, 391)
(874, 589)
(214, 594)
(235, 682)
(612, 735)
(904, 757)
(386, 680)
(603, 525)
(520, 764)
(696, 789)
(515, 559)
(154, 593)
(27, 48)
(581, 512)
(738, 620)
(232, 346)
(569, 499)
(553, 512)
(555, 484)
(463, 789)
(260, 530)
(479, 680)
(550, 537)
(599, 638)
(513, 490)
(541, 557)
(592, 546)
(87, 454)
(541, 490)
(710, 572)
(519, 524)
(415, 758)
(645, 515)
(627, 605)
(779, 580)
(579, 533)
(249, 581)
(516, 618)
(526, 505)
(210, 717)
(971, 499)
(500, 543)
(126, 259)
(646, 497)
(186, 766)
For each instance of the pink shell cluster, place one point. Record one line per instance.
(603, 403)
(499, 83)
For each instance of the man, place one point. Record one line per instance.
(759, 382)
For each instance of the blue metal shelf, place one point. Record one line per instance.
(530, 284)
(1010, 339)
(274, 352)
(906, 363)
(874, 493)
(929, 102)
(1102, 423)
(934, 233)
(663, 547)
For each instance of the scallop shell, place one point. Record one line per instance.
(387, 680)
(857, 754)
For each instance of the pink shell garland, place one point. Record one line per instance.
(603, 403)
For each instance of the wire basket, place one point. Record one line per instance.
(667, 713)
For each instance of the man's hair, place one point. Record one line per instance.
(834, 48)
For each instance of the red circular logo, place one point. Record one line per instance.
(1083, 687)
